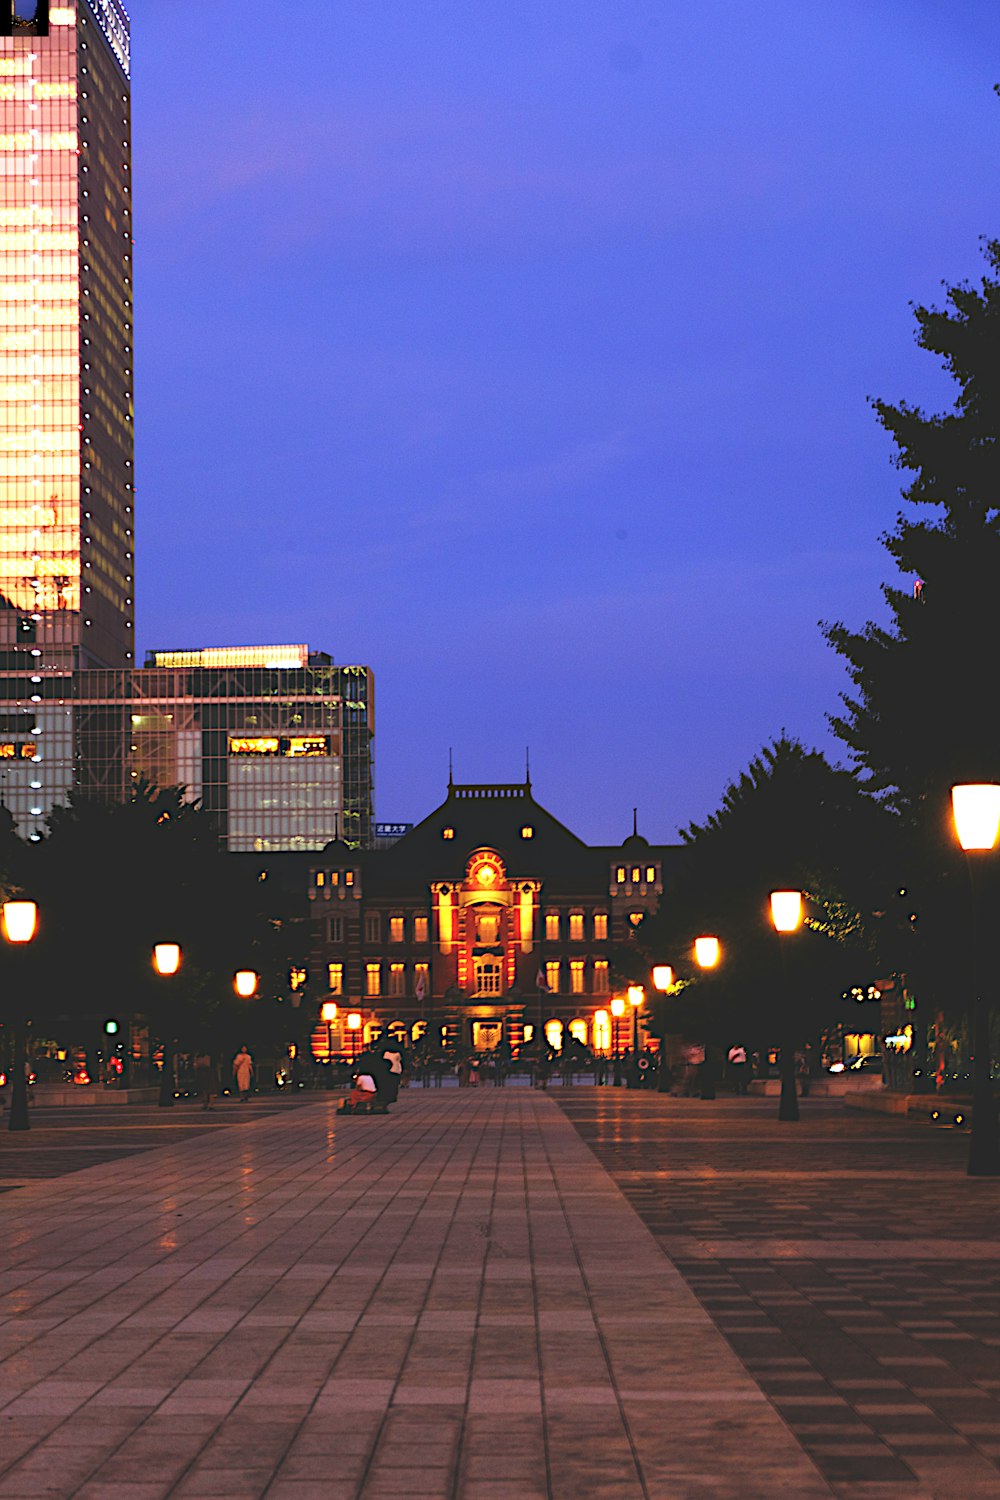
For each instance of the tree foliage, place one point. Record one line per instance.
(789, 821)
(923, 713)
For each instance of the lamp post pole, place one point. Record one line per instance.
(328, 1012)
(707, 952)
(166, 961)
(19, 921)
(976, 809)
(786, 915)
(636, 995)
(663, 978)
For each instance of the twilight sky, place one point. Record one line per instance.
(521, 351)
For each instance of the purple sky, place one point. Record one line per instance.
(521, 351)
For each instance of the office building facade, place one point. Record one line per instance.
(274, 741)
(66, 438)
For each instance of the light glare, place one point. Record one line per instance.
(786, 910)
(976, 809)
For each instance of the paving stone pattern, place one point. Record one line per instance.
(452, 1302)
(64, 1139)
(849, 1262)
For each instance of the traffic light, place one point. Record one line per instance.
(111, 1027)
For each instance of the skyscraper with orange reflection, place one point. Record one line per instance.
(66, 439)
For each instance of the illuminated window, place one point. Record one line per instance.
(636, 874)
(297, 978)
(420, 929)
(373, 927)
(320, 878)
(396, 929)
(552, 926)
(308, 745)
(620, 874)
(335, 930)
(447, 833)
(489, 975)
(600, 976)
(397, 980)
(348, 877)
(552, 976)
(600, 926)
(650, 874)
(576, 926)
(554, 1035)
(373, 979)
(635, 917)
(578, 1029)
(260, 745)
(527, 832)
(335, 978)
(602, 1031)
(576, 976)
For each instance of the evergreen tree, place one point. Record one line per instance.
(924, 713)
(789, 821)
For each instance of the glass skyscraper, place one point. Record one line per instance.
(66, 444)
(275, 741)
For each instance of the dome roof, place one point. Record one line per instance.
(635, 841)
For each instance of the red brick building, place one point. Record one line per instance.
(487, 920)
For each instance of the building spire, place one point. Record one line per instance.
(527, 767)
(635, 822)
(451, 771)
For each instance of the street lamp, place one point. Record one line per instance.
(617, 1011)
(786, 917)
(20, 919)
(707, 953)
(663, 979)
(636, 995)
(328, 1013)
(166, 961)
(354, 1020)
(976, 809)
(245, 983)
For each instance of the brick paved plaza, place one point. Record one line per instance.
(497, 1295)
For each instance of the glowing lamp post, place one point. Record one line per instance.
(245, 983)
(328, 1014)
(617, 1011)
(166, 962)
(663, 979)
(20, 919)
(976, 810)
(354, 1021)
(707, 953)
(636, 995)
(786, 918)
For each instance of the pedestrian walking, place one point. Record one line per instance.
(243, 1071)
(393, 1057)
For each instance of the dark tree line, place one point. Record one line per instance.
(873, 846)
